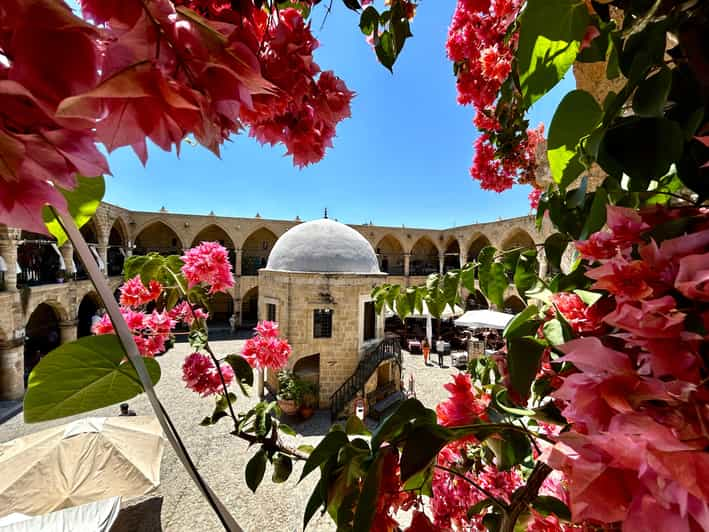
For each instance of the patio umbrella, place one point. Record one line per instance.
(484, 319)
(84, 461)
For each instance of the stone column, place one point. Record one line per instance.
(67, 251)
(67, 331)
(407, 259)
(102, 250)
(237, 266)
(462, 259)
(441, 262)
(12, 369)
(8, 251)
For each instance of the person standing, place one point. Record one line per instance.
(440, 347)
(425, 349)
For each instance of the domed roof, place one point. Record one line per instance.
(323, 246)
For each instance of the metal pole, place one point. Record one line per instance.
(131, 349)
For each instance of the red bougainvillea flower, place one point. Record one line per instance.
(624, 279)
(599, 246)
(201, 375)
(572, 308)
(657, 318)
(462, 407)
(182, 313)
(390, 496)
(134, 293)
(625, 224)
(208, 263)
(265, 349)
(534, 197)
(693, 277)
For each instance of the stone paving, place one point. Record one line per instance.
(222, 458)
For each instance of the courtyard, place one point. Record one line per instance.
(221, 458)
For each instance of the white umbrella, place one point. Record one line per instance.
(484, 319)
(96, 516)
(84, 461)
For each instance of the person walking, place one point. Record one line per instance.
(425, 349)
(440, 347)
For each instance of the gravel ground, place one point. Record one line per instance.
(221, 458)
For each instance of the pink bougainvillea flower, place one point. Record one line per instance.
(265, 349)
(103, 326)
(462, 406)
(693, 277)
(182, 313)
(201, 375)
(623, 279)
(534, 197)
(625, 224)
(589, 35)
(657, 318)
(599, 246)
(208, 263)
(134, 293)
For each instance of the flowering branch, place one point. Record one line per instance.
(499, 503)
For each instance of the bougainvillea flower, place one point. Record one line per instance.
(265, 349)
(625, 224)
(599, 246)
(693, 277)
(134, 293)
(623, 279)
(208, 263)
(462, 406)
(657, 318)
(201, 375)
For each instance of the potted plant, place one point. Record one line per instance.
(309, 398)
(287, 393)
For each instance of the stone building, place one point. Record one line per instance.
(45, 298)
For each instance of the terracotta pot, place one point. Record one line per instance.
(306, 412)
(288, 406)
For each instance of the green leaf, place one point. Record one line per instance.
(255, 470)
(82, 376)
(133, 265)
(314, 502)
(282, 468)
(546, 504)
(523, 356)
(588, 297)
(518, 325)
(651, 96)
(305, 448)
(526, 272)
(369, 20)
(391, 426)
(82, 203)
(385, 50)
(330, 444)
(554, 247)
(287, 429)
(502, 403)
(354, 426)
(596, 218)
(421, 448)
(553, 332)
(550, 34)
(367, 500)
(352, 4)
(576, 116)
(511, 450)
(496, 284)
(243, 372)
(642, 148)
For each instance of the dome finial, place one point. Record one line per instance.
(326, 213)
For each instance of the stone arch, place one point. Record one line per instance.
(213, 232)
(249, 306)
(424, 257)
(517, 238)
(451, 257)
(476, 244)
(255, 250)
(90, 232)
(391, 255)
(87, 309)
(39, 261)
(221, 307)
(159, 236)
(308, 368)
(42, 332)
(116, 252)
(476, 300)
(514, 304)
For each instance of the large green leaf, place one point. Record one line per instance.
(523, 356)
(496, 284)
(577, 115)
(554, 247)
(82, 203)
(82, 376)
(526, 272)
(550, 33)
(652, 93)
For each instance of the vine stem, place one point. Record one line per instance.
(126, 339)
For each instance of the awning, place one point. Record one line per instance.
(3, 265)
(62, 264)
(98, 516)
(484, 319)
(99, 261)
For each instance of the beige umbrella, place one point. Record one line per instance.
(84, 461)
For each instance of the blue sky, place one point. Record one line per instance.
(402, 158)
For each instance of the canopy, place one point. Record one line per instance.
(95, 516)
(84, 461)
(484, 319)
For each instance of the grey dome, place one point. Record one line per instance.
(323, 246)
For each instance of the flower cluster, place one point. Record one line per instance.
(201, 375)
(208, 264)
(482, 49)
(150, 330)
(185, 313)
(638, 403)
(158, 70)
(266, 349)
(462, 406)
